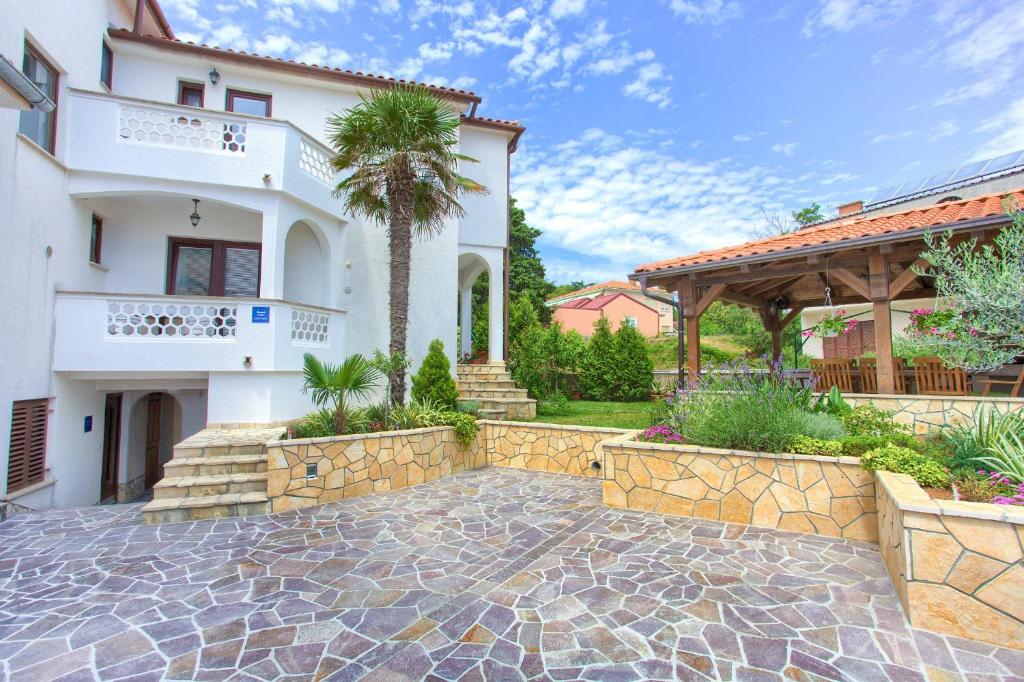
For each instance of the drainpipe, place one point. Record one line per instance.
(678, 306)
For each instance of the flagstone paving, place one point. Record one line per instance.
(493, 574)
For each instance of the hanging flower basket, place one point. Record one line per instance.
(833, 324)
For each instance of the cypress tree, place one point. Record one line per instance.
(433, 382)
(598, 368)
(633, 372)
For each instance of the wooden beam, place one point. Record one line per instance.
(878, 278)
(764, 287)
(742, 299)
(687, 296)
(790, 316)
(902, 280)
(851, 280)
(709, 297)
(688, 304)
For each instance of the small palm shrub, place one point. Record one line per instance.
(334, 385)
(433, 382)
(925, 470)
(821, 426)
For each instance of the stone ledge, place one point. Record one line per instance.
(722, 452)
(357, 436)
(909, 496)
(558, 427)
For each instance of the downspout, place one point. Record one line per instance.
(678, 307)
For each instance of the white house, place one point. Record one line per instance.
(171, 244)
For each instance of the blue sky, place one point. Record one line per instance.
(660, 127)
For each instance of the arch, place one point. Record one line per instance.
(155, 427)
(306, 258)
(471, 266)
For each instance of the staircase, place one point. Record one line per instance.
(214, 474)
(492, 387)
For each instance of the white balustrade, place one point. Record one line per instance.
(316, 162)
(310, 327)
(170, 319)
(183, 128)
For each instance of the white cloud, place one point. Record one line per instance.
(650, 85)
(565, 8)
(742, 137)
(712, 12)
(991, 39)
(274, 44)
(1006, 132)
(846, 15)
(619, 62)
(838, 178)
(786, 149)
(891, 137)
(230, 36)
(942, 129)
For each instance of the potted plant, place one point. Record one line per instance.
(831, 325)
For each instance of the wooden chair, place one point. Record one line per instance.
(836, 372)
(869, 375)
(933, 377)
(987, 383)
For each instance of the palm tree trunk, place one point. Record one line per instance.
(400, 199)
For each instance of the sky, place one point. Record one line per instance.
(657, 128)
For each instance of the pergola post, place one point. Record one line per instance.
(878, 284)
(691, 318)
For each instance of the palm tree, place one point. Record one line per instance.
(400, 145)
(356, 377)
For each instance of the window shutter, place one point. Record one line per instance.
(26, 462)
(241, 272)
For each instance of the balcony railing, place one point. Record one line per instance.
(103, 332)
(126, 136)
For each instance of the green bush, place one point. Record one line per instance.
(899, 460)
(525, 359)
(317, 424)
(554, 405)
(433, 382)
(468, 407)
(868, 420)
(967, 443)
(1006, 456)
(633, 373)
(802, 445)
(597, 370)
(822, 426)
(464, 424)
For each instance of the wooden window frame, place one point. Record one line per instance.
(191, 85)
(25, 480)
(51, 144)
(96, 239)
(245, 94)
(217, 263)
(107, 53)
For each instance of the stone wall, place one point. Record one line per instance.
(350, 466)
(823, 495)
(545, 447)
(958, 567)
(924, 413)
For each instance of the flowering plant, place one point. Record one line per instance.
(661, 433)
(833, 323)
(928, 322)
(1014, 496)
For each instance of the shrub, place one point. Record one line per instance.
(317, 424)
(993, 488)
(1006, 456)
(468, 407)
(633, 373)
(555, 404)
(433, 382)
(525, 359)
(598, 367)
(660, 433)
(822, 426)
(899, 460)
(464, 424)
(968, 443)
(802, 445)
(868, 420)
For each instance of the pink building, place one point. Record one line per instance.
(630, 289)
(581, 314)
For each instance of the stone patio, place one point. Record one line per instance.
(492, 574)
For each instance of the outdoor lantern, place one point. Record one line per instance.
(195, 217)
(214, 76)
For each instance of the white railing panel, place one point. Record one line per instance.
(183, 128)
(140, 319)
(310, 328)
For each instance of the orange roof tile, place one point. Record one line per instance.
(849, 228)
(633, 286)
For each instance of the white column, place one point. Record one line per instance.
(466, 320)
(496, 310)
(272, 253)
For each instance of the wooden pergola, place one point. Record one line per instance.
(859, 258)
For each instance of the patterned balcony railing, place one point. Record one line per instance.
(316, 162)
(310, 327)
(181, 128)
(201, 321)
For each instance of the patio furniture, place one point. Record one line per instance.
(987, 383)
(869, 374)
(836, 372)
(934, 377)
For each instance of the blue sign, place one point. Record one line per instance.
(261, 314)
(88, 423)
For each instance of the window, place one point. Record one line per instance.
(26, 462)
(96, 239)
(190, 94)
(248, 103)
(629, 321)
(107, 67)
(39, 126)
(213, 268)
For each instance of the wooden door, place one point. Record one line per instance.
(111, 445)
(153, 438)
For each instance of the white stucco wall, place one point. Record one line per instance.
(861, 312)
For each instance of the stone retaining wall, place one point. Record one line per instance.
(958, 567)
(824, 495)
(350, 466)
(552, 448)
(924, 413)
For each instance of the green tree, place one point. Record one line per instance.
(433, 382)
(633, 373)
(333, 385)
(575, 285)
(808, 215)
(597, 372)
(399, 144)
(521, 316)
(526, 359)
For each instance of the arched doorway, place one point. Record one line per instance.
(155, 428)
(305, 265)
(474, 324)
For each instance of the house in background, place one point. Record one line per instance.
(582, 313)
(172, 245)
(665, 312)
(1000, 175)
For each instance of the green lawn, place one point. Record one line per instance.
(593, 413)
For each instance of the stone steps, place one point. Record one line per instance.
(492, 387)
(210, 486)
(173, 510)
(211, 466)
(492, 393)
(471, 385)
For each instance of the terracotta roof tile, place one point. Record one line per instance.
(848, 228)
(632, 286)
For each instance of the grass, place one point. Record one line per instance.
(714, 350)
(610, 414)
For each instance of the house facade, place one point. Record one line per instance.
(665, 324)
(173, 245)
(582, 314)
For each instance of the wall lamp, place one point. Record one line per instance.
(195, 217)
(214, 76)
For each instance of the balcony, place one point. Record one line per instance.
(100, 332)
(132, 137)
